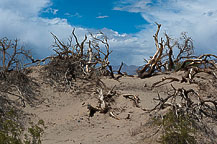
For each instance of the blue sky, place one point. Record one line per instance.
(96, 14)
(129, 24)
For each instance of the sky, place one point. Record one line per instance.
(128, 24)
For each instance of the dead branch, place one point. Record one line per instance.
(181, 101)
(12, 54)
(172, 79)
(90, 54)
(78, 45)
(170, 53)
(20, 96)
(119, 70)
(111, 71)
(193, 66)
(113, 116)
(149, 68)
(135, 99)
(38, 61)
(186, 49)
(104, 103)
(190, 62)
(92, 110)
(164, 58)
(76, 59)
(95, 43)
(207, 55)
(111, 92)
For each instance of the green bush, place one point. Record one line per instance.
(12, 130)
(35, 132)
(177, 129)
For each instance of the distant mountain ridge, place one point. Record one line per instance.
(129, 69)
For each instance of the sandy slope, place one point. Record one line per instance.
(67, 118)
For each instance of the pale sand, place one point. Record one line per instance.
(67, 118)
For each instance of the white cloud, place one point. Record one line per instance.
(24, 7)
(102, 17)
(197, 17)
(21, 20)
(73, 15)
(125, 47)
(51, 10)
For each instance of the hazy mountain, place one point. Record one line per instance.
(129, 69)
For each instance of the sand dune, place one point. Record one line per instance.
(67, 118)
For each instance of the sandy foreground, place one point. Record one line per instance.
(67, 118)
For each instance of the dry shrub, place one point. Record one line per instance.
(85, 61)
(17, 90)
(18, 84)
(185, 117)
(174, 55)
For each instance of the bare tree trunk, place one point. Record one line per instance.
(90, 58)
(149, 68)
(170, 54)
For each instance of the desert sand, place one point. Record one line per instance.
(67, 118)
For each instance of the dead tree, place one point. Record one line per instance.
(175, 55)
(105, 100)
(69, 49)
(12, 55)
(199, 64)
(149, 68)
(184, 47)
(189, 105)
(170, 53)
(75, 59)
(13, 79)
(101, 55)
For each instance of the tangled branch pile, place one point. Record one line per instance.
(17, 89)
(176, 55)
(84, 60)
(13, 78)
(185, 117)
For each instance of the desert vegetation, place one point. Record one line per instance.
(82, 68)
(165, 58)
(17, 90)
(185, 110)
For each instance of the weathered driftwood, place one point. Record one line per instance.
(134, 98)
(182, 102)
(92, 110)
(12, 55)
(164, 79)
(104, 103)
(113, 116)
(164, 58)
(118, 72)
(20, 96)
(149, 68)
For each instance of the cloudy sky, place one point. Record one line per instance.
(129, 24)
